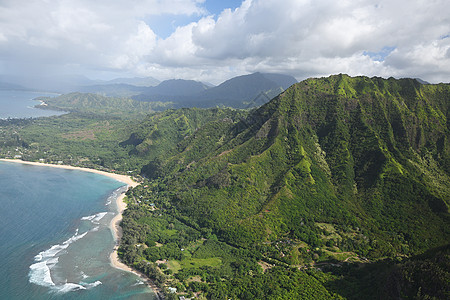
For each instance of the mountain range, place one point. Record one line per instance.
(331, 167)
(368, 153)
(239, 92)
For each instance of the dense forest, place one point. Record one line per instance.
(337, 188)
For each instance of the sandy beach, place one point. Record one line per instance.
(114, 257)
(117, 234)
(122, 178)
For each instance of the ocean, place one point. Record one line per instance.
(55, 239)
(20, 104)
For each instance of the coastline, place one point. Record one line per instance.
(114, 257)
(115, 222)
(117, 234)
(122, 178)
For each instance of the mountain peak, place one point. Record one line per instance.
(339, 150)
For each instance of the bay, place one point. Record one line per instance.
(55, 239)
(20, 104)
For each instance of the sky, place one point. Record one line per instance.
(214, 40)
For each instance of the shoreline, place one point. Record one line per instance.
(122, 178)
(114, 257)
(114, 224)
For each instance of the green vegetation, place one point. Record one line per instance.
(286, 201)
(333, 170)
(75, 139)
(101, 105)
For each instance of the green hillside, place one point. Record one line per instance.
(334, 169)
(370, 155)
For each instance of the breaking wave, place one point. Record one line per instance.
(115, 194)
(40, 271)
(95, 218)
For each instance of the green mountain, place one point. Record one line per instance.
(157, 136)
(172, 90)
(238, 92)
(241, 91)
(175, 87)
(370, 156)
(334, 170)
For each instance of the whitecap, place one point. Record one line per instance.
(92, 285)
(52, 262)
(88, 218)
(55, 249)
(95, 218)
(40, 274)
(83, 275)
(40, 271)
(99, 217)
(74, 238)
(138, 282)
(115, 194)
(68, 287)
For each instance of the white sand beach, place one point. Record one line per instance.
(122, 178)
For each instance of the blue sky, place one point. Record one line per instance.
(164, 25)
(381, 55)
(213, 41)
(217, 6)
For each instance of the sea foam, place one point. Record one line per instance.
(40, 274)
(40, 271)
(44, 261)
(68, 287)
(95, 218)
(115, 194)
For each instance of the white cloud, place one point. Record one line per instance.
(97, 34)
(315, 38)
(135, 48)
(299, 37)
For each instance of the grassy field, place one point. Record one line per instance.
(176, 265)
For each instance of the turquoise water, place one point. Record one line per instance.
(55, 239)
(20, 104)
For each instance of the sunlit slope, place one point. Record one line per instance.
(368, 156)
